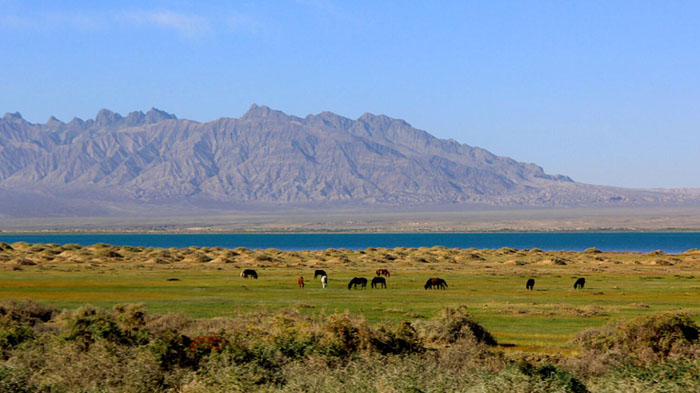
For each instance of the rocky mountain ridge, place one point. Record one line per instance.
(266, 158)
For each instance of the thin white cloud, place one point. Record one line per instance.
(188, 25)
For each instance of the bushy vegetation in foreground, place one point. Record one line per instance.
(125, 349)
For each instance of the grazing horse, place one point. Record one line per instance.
(580, 283)
(300, 281)
(324, 281)
(377, 281)
(246, 273)
(530, 285)
(435, 283)
(319, 273)
(361, 281)
(383, 272)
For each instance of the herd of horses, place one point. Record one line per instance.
(380, 281)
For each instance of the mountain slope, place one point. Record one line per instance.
(268, 158)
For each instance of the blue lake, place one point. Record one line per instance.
(670, 242)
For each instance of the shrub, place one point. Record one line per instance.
(172, 349)
(12, 336)
(454, 324)
(25, 311)
(401, 339)
(650, 338)
(132, 316)
(553, 378)
(88, 324)
(344, 336)
(16, 381)
(132, 321)
(206, 344)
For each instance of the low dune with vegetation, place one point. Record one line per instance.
(105, 318)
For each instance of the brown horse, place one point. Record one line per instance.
(383, 272)
(435, 283)
(300, 281)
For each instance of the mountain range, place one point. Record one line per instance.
(155, 163)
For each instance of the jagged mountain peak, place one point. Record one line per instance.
(155, 115)
(105, 117)
(12, 116)
(263, 112)
(269, 157)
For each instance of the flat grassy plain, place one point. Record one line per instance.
(204, 282)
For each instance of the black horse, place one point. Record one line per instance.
(435, 283)
(361, 281)
(580, 283)
(377, 281)
(319, 273)
(530, 285)
(246, 273)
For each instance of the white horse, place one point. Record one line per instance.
(324, 281)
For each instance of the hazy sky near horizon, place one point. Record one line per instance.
(607, 92)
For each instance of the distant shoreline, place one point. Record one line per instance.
(338, 232)
(670, 219)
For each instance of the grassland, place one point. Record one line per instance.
(204, 282)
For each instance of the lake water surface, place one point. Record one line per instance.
(670, 242)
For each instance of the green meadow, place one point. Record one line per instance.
(491, 283)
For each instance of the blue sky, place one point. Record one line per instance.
(607, 92)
